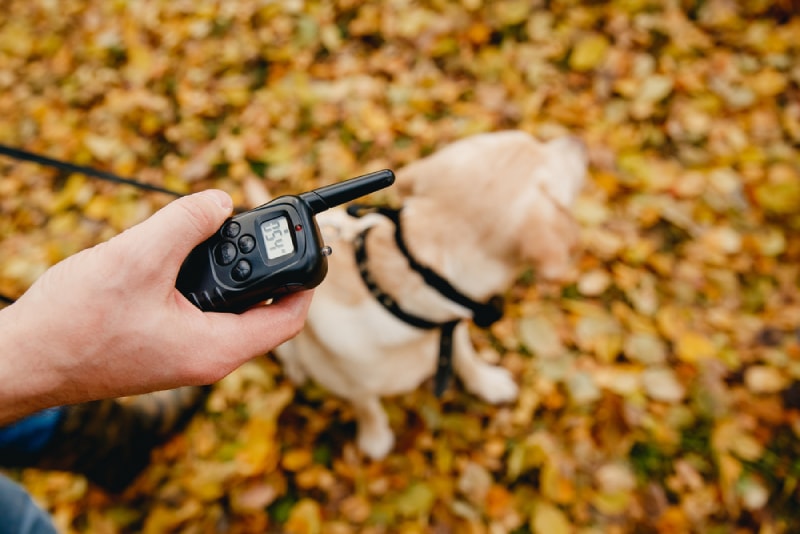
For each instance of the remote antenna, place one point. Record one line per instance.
(332, 195)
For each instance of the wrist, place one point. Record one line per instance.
(27, 383)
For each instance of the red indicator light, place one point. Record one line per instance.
(298, 227)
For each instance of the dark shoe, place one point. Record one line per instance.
(110, 441)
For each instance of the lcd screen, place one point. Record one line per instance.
(277, 237)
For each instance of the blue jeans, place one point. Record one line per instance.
(19, 514)
(31, 434)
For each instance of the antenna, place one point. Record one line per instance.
(332, 195)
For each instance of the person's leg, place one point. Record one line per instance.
(27, 437)
(108, 441)
(19, 514)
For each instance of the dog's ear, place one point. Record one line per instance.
(405, 179)
(460, 163)
(549, 239)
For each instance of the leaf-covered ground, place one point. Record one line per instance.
(658, 390)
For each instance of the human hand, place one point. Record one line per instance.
(109, 322)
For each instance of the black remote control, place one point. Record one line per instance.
(269, 251)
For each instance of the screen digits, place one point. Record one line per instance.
(277, 237)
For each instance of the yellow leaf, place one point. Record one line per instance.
(692, 347)
(729, 471)
(259, 452)
(305, 518)
(296, 459)
(165, 519)
(549, 519)
(769, 83)
(510, 12)
(779, 198)
(612, 503)
(589, 52)
(540, 336)
(556, 485)
(764, 379)
(655, 88)
(661, 383)
(601, 335)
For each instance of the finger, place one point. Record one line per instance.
(167, 237)
(261, 329)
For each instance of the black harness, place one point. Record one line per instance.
(483, 314)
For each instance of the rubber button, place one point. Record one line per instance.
(231, 229)
(225, 253)
(246, 243)
(241, 270)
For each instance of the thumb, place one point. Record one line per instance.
(183, 224)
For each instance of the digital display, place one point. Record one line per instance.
(277, 237)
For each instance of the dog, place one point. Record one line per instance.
(473, 215)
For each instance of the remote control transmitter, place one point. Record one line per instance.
(269, 251)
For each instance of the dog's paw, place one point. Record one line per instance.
(294, 370)
(375, 441)
(494, 385)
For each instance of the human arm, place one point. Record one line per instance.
(108, 321)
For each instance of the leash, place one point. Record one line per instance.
(24, 155)
(483, 314)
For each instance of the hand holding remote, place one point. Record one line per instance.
(109, 322)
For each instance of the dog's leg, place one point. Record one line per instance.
(375, 436)
(287, 353)
(491, 383)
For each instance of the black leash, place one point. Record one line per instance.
(24, 155)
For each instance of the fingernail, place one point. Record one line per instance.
(222, 198)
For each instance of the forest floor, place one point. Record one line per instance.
(658, 388)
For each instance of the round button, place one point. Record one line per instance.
(246, 243)
(241, 270)
(231, 229)
(225, 253)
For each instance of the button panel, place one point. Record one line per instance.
(236, 252)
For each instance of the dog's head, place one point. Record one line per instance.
(512, 191)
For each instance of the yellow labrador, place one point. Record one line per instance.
(473, 214)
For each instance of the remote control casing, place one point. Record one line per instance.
(212, 287)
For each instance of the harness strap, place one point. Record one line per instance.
(444, 366)
(483, 314)
(386, 300)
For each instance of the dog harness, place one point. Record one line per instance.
(483, 314)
